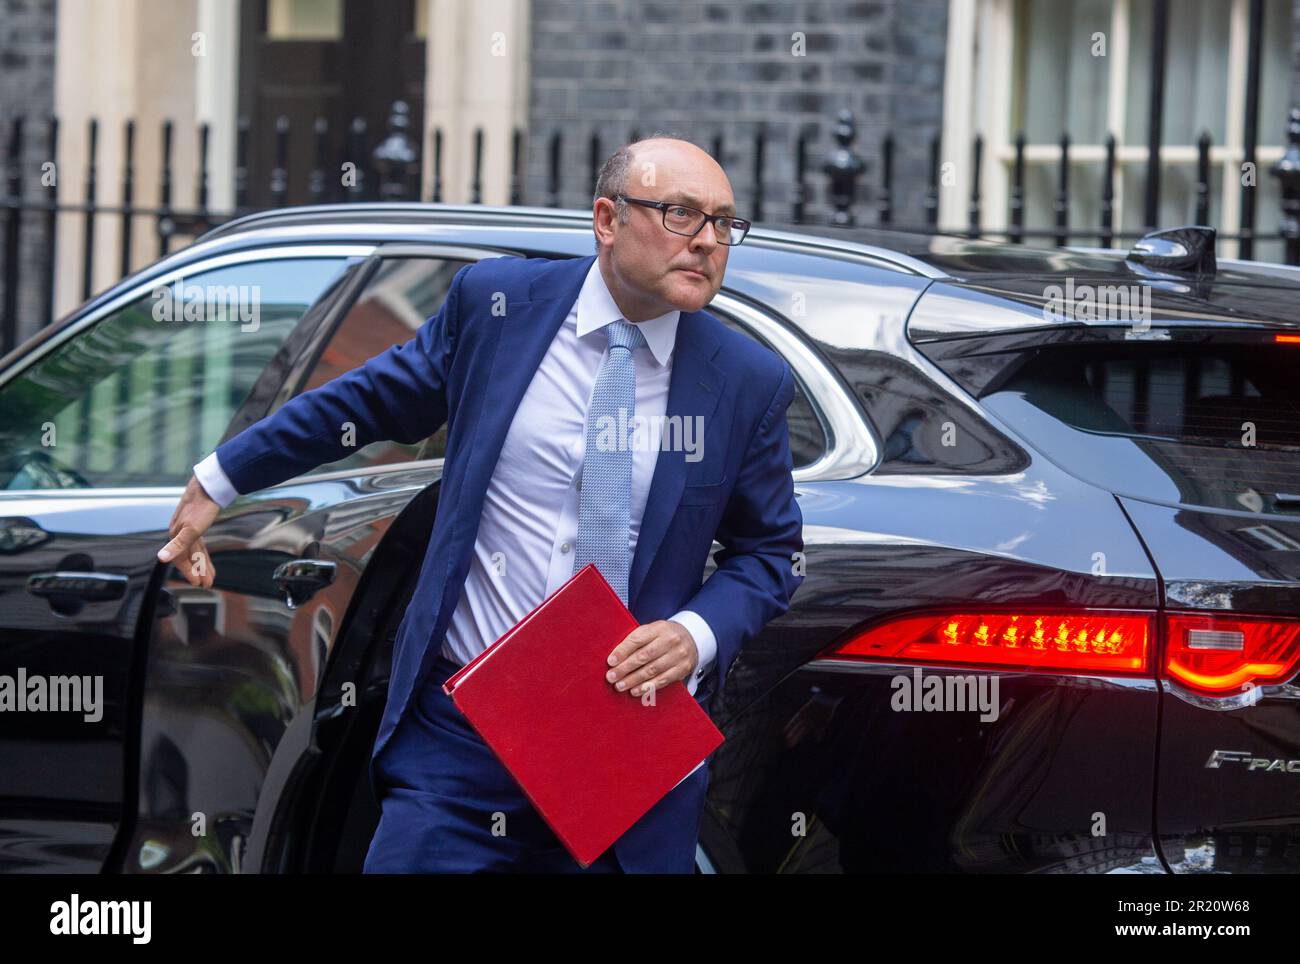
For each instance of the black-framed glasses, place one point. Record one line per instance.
(688, 221)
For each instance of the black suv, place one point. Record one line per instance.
(1052, 524)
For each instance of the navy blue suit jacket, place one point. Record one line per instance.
(468, 366)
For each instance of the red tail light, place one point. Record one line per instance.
(1090, 641)
(1219, 654)
(1209, 653)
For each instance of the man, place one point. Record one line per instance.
(531, 363)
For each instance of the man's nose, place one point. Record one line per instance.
(706, 239)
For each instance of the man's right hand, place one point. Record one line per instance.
(194, 514)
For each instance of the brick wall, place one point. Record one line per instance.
(1295, 53)
(725, 67)
(27, 41)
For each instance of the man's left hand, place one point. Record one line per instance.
(654, 654)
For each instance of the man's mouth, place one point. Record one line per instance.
(699, 274)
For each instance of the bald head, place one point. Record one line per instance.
(648, 267)
(646, 162)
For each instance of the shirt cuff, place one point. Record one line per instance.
(705, 642)
(214, 481)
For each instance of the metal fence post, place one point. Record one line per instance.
(1062, 204)
(394, 156)
(885, 204)
(1155, 125)
(1017, 235)
(88, 239)
(1203, 179)
(1287, 171)
(1246, 246)
(13, 228)
(51, 223)
(800, 194)
(128, 196)
(1108, 195)
(316, 180)
(843, 168)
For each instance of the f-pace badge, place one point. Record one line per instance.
(1219, 757)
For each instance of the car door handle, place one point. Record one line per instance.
(299, 579)
(90, 586)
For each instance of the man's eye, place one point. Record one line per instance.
(725, 224)
(678, 212)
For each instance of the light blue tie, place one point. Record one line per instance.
(605, 494)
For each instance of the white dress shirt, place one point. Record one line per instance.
(524, 548)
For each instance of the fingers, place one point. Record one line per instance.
(201, 570)
(178, 546)
(633, 641)
(662, 657)
(195, 512)
(656, 675)
(191, 558)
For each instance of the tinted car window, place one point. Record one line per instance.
(807, 437)
(138, 397)
(403, 294)
(1209, 424)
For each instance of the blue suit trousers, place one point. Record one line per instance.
(448, 805)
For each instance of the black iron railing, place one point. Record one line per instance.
(391, 171)
(834, 182)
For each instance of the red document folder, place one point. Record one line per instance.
(590, 759)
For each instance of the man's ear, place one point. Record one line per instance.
(603, 213)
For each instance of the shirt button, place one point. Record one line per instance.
(564, 547)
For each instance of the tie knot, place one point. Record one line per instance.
(624, 334)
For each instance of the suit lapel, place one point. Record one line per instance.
(527, 330)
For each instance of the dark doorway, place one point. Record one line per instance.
(337, 60)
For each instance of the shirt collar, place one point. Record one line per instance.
(596, 309)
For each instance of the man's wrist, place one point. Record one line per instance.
(215, 481)
(706, 645)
